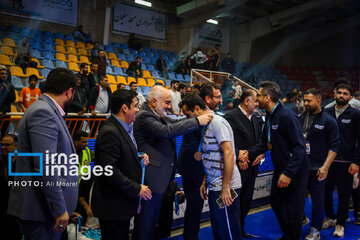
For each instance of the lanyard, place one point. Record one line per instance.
(269, 127)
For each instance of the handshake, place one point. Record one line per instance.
(243, 159)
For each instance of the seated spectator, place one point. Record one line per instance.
(120, 86)
(95, 51)
(161, 67)
(200, 59)
(99, 98)
(101, 62)
(30, 94)
(79, 34)
(141, 99)
(23, 58)
(7, 93)
(180, 67)
(135, 43)
(85, 83)
(228, 64)
(93, 75)
(134, 69)
(8, 223)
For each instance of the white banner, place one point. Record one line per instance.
(207, 35)
(63, 12)
(136, 20)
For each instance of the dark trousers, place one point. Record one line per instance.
(340, 178)
(10, 227)
(317, 191)
(221, 217)
(118, 230)
(288, 204)
(356, 201)
(146, 221)
(33, 230)
(248, 178)
(193, 211)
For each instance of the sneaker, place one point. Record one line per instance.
(339, 231)
(328, 222)
(314, 234)
(305, 221)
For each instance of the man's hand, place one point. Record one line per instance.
(283, 181)
(205, 118)
(61, 222)
(243, 165)
(356, 181)
(93, 113)
(258, 159)
(89, 212)
(203, 191)
(354, 168)
(75, 215)
(145, 192)
(243, 156)
(322, 173)
(226, 196)
(145, 157)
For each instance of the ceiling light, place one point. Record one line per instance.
(145, 3)
(212, 21)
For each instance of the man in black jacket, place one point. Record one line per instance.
(246, 129)
(283, 136)
(161, 66)
(134, 69)
(155, 135)
(347, 161)
(321, 134)
(7, 96)
(115, 197)
(79, 106)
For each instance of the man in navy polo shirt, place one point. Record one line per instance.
(283, 136)
(321, 135)
(347, 161)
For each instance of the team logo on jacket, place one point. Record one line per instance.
(274, 127)
(319, 127)
(346, 120)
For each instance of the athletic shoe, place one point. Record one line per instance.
(314, 234)
(328, 222)
(305, 221)
(339, 231)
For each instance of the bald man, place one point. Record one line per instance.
(155, 135)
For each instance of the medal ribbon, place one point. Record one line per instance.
(269, 125)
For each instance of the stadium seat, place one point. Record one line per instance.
(151, 82)
(84, 59)
(113, 56)
(126, 51)
(141, 82)
(172, 76)
(151, 67)
(146, 90)
(111, 79)
(123, 45)
(124, 64)
(17, 82)
(121, 56)
(49, 47)
(48, 64)
(60, 48)
(72, 50)
(7, 51)
(59, 41)
(80, 45)
(61, 64)
(73, 58)
(31, 71)
(74, 66)
(59, 35)
(45, 72)
(143, 66)
(113, 87)
(17, 72)
(83, 52)
(187, 78)
(115, 63)
(9, 42)
(5, 60)
(69, 37)
(160, 81)
(61, 57)
(109, 70)
(38, 62)
(69, 43)
(121, 79)
(131, 79)
(89, 46)
(49, 55)
(156, 74)
(119, 71)
(146, 74)
(179, 77)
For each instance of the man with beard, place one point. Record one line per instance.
(321, 135)
(347, 160)
(175, 97)
(7, 96)
(85, 82)
(283, 137)
(43, 212)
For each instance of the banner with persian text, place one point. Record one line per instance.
(207, 35)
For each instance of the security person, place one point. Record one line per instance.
(321, 135)
(84, 153)
(283, 136)
(347, 161)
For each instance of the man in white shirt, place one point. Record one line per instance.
(175, 97)
(141, 99)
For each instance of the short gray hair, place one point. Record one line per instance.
(155, 92)
(2, 67)
(272, 89)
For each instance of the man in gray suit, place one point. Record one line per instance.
(43, 211)
(155, 135)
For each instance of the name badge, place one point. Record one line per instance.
(274, 127)
(346, 120)
(307, 145)
(319, 127)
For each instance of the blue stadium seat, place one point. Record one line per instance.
(109, 70)
(61, 64)
(130, 58)
(146, 90)
(151, 67)
(37, 38)
(146, 60)
(36, 45)
(36, 54)
(172, 76)
(179, 77)
(49, 47)
(69, 37)
(142, 54)
(59, 35)
(16, 81)
(156, 75)
(126, 51)
(121, 56)
(168, 83)
(109, 48)
(45, 72)
(48, 64)
(49, 55)
(48, 33)
(119, 71)
(116, 45)
(143, 66)
(37, 31)
(187, 78)
(123, 45)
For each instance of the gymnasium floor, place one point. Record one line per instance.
(263, 225)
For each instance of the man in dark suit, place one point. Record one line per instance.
(115, 197)
(43, 211)
(155, 135)
(246, 128)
